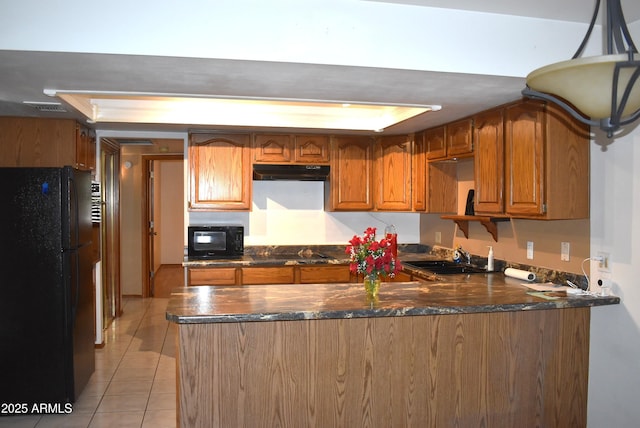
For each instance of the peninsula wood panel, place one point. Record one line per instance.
(489, 369)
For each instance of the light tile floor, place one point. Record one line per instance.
(134, 384)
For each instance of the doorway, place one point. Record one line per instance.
(110, 230)
(163, 224)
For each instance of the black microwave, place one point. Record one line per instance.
(209, 242)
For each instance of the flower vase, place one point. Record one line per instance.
(372, 285)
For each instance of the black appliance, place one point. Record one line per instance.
(290, 172)
(47, 316)
(219, 241)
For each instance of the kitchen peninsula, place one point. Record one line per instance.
(468, 350)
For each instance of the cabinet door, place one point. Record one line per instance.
(436, 145)
(392, 182)
(313, 149)
(85, 154)
(36, 142)
(212, 276)
(272, 149)
(323, 274)
(419, 173)
(524, 158)
(267, 275)
(350, 181)
(489, 162)
(219, 172)
(399, 277)
(460, 138)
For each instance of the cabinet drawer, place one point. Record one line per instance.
(324, 274)
(268, 275)
(212, 276)
(399, 277)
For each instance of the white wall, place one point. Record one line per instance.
(614, 376)
(292, 213)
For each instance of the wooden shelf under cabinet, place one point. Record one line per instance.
(488, 222)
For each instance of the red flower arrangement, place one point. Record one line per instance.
(370, 257)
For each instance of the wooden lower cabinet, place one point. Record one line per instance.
(499, 369)
(253, 275)
(324, 274)
(268, 275)
(213, 276)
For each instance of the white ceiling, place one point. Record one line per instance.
(24, 74)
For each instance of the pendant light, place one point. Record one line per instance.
(601, 90)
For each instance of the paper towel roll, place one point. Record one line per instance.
(520, 274)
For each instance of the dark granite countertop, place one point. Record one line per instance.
(452, 294)
(296, 255)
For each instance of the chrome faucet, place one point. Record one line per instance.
(461, 253)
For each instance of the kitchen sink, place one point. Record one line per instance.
(444, 267)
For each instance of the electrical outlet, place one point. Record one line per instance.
(604, 263)
(600, 281)
(530, 250)
(565, 248)
(438, 238)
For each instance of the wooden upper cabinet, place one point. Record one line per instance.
(489, 162)
(351, 179)
(311, 149)
(284, 148)
(85, 144)
(459, 137)
(38, 142)
(272, 149)
(546, 161)
(419, 173)
(436, 144)
(442, 187)
(219, 172)
(392, 178)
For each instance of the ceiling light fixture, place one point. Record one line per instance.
(244, 112)
(602, 88)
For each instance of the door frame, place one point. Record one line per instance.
(146, 200)
(110, 227)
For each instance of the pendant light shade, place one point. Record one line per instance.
(600, 90)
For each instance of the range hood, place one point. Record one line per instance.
(290, 172)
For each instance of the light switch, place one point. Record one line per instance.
(564, 251)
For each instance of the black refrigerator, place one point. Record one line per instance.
(47, 334)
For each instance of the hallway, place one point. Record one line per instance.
(134, 382)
